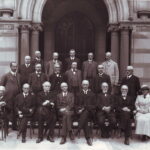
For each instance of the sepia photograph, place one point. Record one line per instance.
(75, 74)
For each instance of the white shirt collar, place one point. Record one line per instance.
(72, 58)
(129, 76)
(25, 94)
(13, 73)
(27, 65)
(65, 93)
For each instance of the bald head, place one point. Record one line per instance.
(46, 86)
(74, 65)
(85, 84)
(26, 88)
(129, 70)
(64, 87)
(55, 56)
(27, 59)
(37, 54)
(124, 90)
(104, 87)
(100, 69)
(108, 55)
(90, 56)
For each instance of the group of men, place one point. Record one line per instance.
(63, 91)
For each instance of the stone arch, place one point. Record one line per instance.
(31, 10)
(118, 10)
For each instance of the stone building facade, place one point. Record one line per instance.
(119, 26)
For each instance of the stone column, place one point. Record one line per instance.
(24, 42)
(36, 28)
(114, 43)
(124, 50)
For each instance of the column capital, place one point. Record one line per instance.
(125, 27)
(113, 28)
(37, 27)
(25, 27)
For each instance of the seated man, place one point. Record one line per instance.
(86, 101)
(65, 103)
(105, 111)
(46, 112)
(5, 108)
(25, 105)
(124, 108)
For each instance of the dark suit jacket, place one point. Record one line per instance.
(133, 84)
(23, 104)
(121, 103)
(86, 101)
(25, 72)
(56, 81)
(103, 100)
(65, 102)
(36, 82)
(42, 97)
(12, 85)
(99, 80)
(85, 68)
(34, 61)
(69, 75)
(68, 63)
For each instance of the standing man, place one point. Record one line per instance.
(25, 106)
(25, 70)
(11, 81)
(111, 69)
(65, 104)
(74, 78)
(36, 79)
(85, 108)
(38, 60)
(124, 110)
(100, 78)
(132, 82)
(105, 114)
(71, 59)
(56, 79)
(46, 112)
(89, 69)
(50, 65)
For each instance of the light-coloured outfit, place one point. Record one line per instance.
(143, 115)
(111, 69)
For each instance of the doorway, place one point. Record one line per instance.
(74, 31)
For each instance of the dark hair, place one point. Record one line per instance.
(11, 63)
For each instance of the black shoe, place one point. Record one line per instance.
(23, 140)
(39, 140)
(126, 141)
(63, 140)
(51, 139)
(89, 142)
(144, 138)
(71, 135)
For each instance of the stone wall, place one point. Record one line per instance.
(141, 52)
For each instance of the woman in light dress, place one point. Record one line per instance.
(142, 105)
